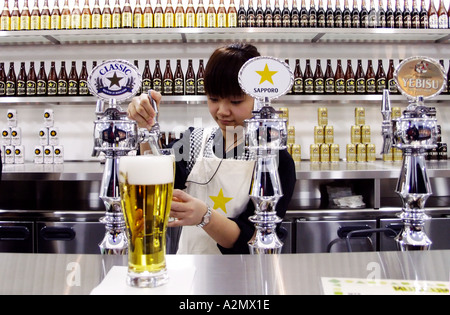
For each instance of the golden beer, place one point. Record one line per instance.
(146, 188)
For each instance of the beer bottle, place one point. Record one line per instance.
(45, 17)
(168, 80)
(190, 79)
(169, 15)
(398, 15)
(86, 16)
(295, 15)
(381, 15)
(251, 18)
(116, 16)
(349, 78)
(96, 15)
(158, 15)
(268, 15)
(339, 78)
(127, 15)
(433, 18)
(106, 15)
(137, 15)
(94, 64)
(62, 80)
(2, 78)
(360, 79)
(259, 15)
(390, 17)
(286, 15)
(329, 15)
(380, 77)
(424, 23)
(338, 19)
(31, 81)
(298, 78)
(242, 15)
(276, 16)
(55, 17)
(25, 17)
(321, 17)
(319, 82)
(329, 79)
(364, 15)
(415, 17)
(448, 77)
(5, 18)
(146, 77)
(42, 81)
(147, 15)
(308, 78)
(22, 81)
(355, 15)
(178, 80)
(73, 80)
(136, 64)
(52, 83)
(15, 17)
(292, 87)
(370, 79)
(65, 16)
(190, 14)
(200, 79)
(11, 81)
(407, 22)
(232, 15)
(346, 15)
(222, 15)
(211, 17)
(200, 19)
(76, 16)
(83, 88)
(312, 14)
(442, 15)
(157, 78)
(372, 15)
(180, 15)
(392, 85)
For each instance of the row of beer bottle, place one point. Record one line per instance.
(338, 81)
(36, 82)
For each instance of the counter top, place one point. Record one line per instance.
(78, 171)
(224, 275)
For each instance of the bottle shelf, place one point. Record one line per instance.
(207, 35)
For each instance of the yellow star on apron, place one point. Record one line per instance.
(220, 201)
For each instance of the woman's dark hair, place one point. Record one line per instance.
(222, 69)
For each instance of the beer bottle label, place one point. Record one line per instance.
(73, 87)
(45, 22)
(148, 20)
(179, 86)
(309, 85)
(56, 22)
(319, 87)
(83, 87)
(350, 86)
(106, 21)
(96, 21)
(222, 20)
(433, 21)
(190, 19)
(5, 23)
(381, 85)
(116, 20)
(65, 22)
(340, 86)
(312, 21)
(157, 85)
(2, 88)
(287, 20)
(298, 85)
(347, 21)
(392, 86)
(338, 21)
(201, 86)
(158, 20)
(21, 87)
(355, 21)
(168, 86)
(361, 85)
(41, 87)
(295, 21)
(15, 23)
(76, 21)
(10, 88)
(241, 20)
(179, 19)
(169, 19)
(190, 87)
(232, 20)
(127, 19)
(443, 21)
(329, 85)
(211, 19)
(62, 87)
(31, 88)
(24, 22)
(146, 85)
(370, 85)
(51, 87)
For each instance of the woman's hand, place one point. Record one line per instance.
(140, 109)
(186, 209)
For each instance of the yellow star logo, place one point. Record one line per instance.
(266, 75)
(220, 201)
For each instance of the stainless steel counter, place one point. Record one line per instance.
(225, 275)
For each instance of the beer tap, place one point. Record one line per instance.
(414, 132)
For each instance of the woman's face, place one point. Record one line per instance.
(230, 112)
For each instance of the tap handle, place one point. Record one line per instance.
(386, 108)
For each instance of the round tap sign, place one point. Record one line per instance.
(266, 77)
(114, 79)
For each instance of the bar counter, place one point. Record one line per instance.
(224, 275)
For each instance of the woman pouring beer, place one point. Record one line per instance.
(213, 169)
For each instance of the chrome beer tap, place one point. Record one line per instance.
(414, 132)
(115, 135)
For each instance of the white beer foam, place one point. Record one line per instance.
(146, 169)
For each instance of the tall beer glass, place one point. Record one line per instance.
(146, 187)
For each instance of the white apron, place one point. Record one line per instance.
(226, 193)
